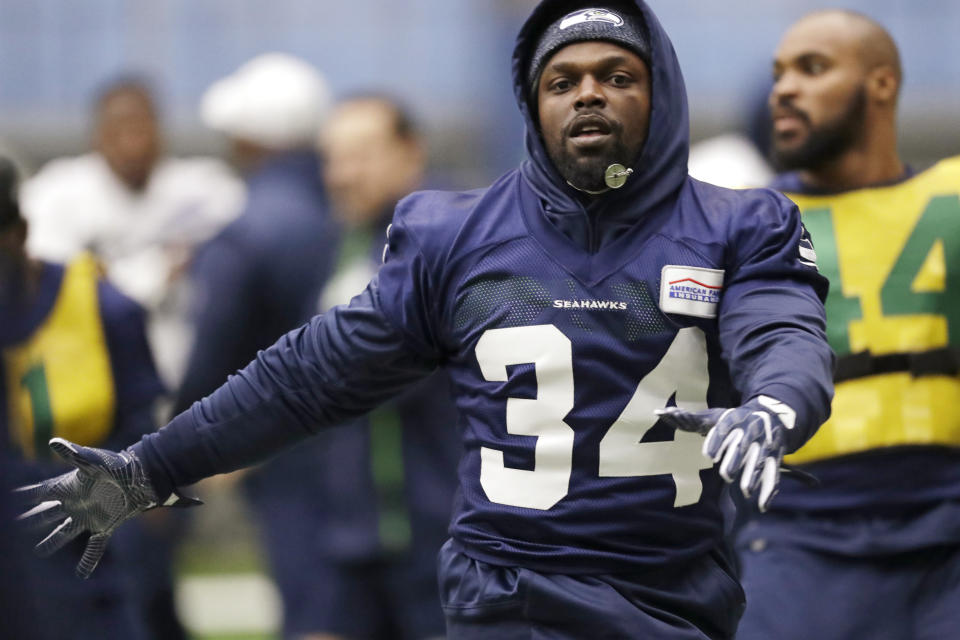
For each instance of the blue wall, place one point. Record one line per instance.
(448, 58)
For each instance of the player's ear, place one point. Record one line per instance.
(883, 85)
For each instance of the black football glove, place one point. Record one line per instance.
(748, 441)
(104, 490)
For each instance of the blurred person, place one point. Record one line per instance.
(598, 311)
(875, 551)
(260, 277)
(387, 519)
(138, 210)
(75, 364)
(141, 213)
(373, 157)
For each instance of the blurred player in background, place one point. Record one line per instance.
(388, 517)
(262, 276)
(75, 363)
(139, 211)
(598, 312)
(875, 551)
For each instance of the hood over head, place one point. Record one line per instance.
(661, 168)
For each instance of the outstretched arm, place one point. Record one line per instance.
(338, 366)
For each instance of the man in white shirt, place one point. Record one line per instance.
(140, 212)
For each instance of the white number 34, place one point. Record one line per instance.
(683, 370)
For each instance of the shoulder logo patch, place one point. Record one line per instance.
(690, 291)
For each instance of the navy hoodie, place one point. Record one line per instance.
(563, 328)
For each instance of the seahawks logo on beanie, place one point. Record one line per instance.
(590, 15)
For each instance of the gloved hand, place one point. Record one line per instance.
(104, 490)
(751, 440)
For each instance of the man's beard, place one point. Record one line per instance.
(586, 172)
(827, 142)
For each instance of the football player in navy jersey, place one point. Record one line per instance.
(884, 527)
(597, 311)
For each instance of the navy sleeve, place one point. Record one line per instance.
(136, 380)
(337, 367)
(771, 318)
(409, 292)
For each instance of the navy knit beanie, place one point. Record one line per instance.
(623, 28)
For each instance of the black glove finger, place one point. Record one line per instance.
(718, 439)
(769, 481)
(74, 454)
(760, 422)
(34, 493)
(731, 454)
(749, 476)
(45, 513)
(67, 488)
(694, 421)
(67, 531)
(96, 545)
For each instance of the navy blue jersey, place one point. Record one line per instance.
(564, 321)
(543, 339)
